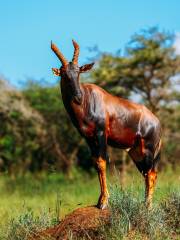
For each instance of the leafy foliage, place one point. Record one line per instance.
(146, 68)
(22, 133)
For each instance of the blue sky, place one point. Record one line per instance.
(27, 27)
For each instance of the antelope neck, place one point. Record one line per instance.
(71, 90)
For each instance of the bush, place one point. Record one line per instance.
(28, 224)
(130, 219)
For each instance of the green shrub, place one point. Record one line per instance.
(27, 224)
(130, 219)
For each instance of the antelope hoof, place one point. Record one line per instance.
(148, 205)
(103, 202)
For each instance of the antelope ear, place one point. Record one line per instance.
(56, 71)
(86, 67)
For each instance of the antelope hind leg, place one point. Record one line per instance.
(143, 158)
(150, 180)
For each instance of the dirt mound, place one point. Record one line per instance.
(81, 222)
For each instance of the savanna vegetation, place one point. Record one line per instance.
(46, 168)
(30, 205)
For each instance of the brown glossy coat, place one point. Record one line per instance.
(103, 119)
(122, 119)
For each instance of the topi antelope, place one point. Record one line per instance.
(103, 119)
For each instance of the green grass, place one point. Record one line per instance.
(43, 199)
(42, 193)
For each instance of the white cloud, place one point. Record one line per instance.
(177, 44)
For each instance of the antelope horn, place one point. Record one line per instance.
(76, 52)
(59, 54)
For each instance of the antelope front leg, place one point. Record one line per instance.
(101, 168)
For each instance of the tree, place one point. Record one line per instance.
(23, 135)
(146, 69)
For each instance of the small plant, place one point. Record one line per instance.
(28, 224)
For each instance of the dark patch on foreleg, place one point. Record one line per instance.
(101, 168)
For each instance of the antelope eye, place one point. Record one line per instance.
(62, 69)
